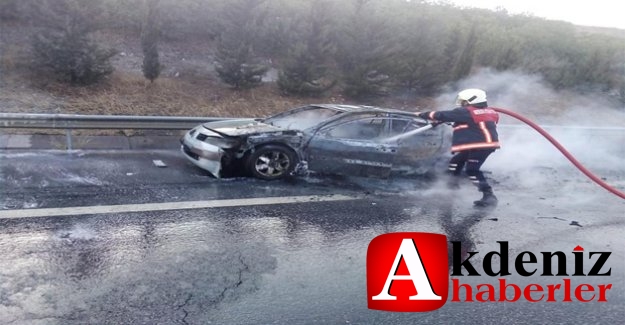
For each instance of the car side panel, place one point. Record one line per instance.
(350, 157)
(417, 154)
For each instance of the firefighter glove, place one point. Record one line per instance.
(424, 115)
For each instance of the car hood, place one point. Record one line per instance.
(239, 127)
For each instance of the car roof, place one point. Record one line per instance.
(343, 107)
(359, 108)
(347, 110)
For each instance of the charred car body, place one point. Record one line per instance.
(324, 138)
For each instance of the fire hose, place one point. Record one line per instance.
(563, 151)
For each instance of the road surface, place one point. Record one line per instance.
(107, 237)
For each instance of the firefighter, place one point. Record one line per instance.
(474, 138)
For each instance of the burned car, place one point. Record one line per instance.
(324, 138)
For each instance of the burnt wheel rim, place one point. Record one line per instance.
(272, 164)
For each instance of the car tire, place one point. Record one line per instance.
(271, 162)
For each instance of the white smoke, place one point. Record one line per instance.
(532, 97)
(590, 127)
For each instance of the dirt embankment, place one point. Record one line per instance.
(188, 85)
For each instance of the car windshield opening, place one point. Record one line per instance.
(302, 120)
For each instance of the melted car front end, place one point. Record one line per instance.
(207, 149)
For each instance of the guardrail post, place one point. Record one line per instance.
(68, 138)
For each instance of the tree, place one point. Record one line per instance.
(302, 74)
(236, 63)
(463, 65)
(149, 42)
(420, 66)
(64, 45)
(305, 69)
(364, 54)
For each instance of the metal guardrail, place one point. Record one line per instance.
(114, 122)
(69, 122)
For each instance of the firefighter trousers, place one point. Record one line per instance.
(471, 161)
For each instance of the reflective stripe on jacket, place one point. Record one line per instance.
(474, 127)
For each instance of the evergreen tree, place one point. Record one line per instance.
(305, 70)
(364, 54)
(302, 75)
(419, 67)
(149, 42)
(65, 47)
(236, 63)
(464, 64)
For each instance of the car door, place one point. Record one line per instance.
(353, 147)
(416, 153)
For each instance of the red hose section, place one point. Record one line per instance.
(564, 151)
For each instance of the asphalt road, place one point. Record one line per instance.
(110, 238)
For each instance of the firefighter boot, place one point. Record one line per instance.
(488, 199)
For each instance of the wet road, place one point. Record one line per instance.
(278, 262)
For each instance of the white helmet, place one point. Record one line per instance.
(471, 96)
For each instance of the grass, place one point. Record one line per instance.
(131, 94)
(127, 92)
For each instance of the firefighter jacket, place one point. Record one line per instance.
(474, 127)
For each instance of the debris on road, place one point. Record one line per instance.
(159, 163)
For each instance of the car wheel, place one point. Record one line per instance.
(271, 162)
